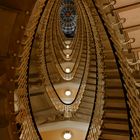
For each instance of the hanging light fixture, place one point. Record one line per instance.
(68, 93)
(67, 135)
(67, 46)
(67, 55)
(67, 70)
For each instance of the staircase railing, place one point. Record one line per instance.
(96, 118)
(127, 68)
(27, 129)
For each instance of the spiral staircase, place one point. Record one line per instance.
(88, 48)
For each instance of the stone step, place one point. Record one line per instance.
(92, 75)
(111, 73)
(118, 103)
(110, 64)
(114, 112)
(113, 92)
(90, 87)
(110, 83)
(86, 111)
(116, 124)
(88, 99)
(89, 93)
(91, 81)
(37, 82)
(92, 69)
(112, 134)
(83, 117)
(86, 104)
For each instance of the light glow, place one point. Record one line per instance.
(67, 55)
(67, 46)
(68, 93)
(67, 135)
(68, 70)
